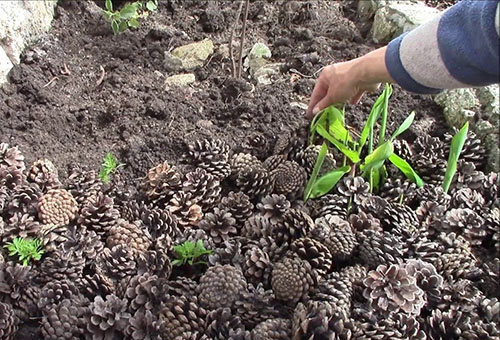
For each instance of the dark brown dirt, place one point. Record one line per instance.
(70, 119)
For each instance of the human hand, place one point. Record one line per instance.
(348, 81)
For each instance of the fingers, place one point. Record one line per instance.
(320, 90)
(357, 97)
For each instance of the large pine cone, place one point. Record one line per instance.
(160, 223)
(289, 179)
(466, 222)
(397, 189)
(99, 215)
(8, 322)
(257, 227)
(185, 210)
(336, 234)
(108, 318)
(204, 188)
(314, 252)
(145, 325)
(117, 262)
(64, 321)
(54, 292)
(129, 233)
(92, 285)
(221, 286)
(294, 224)
(84, 186)
(144, 291)
(44, 173)
(307, 159)
(255, 182)
(377, 248)
(257, 265)
(62, 265)
(239, 205)
(11, 166)
(256, 306)
(393, 289)
(220, 225)
(273, 207)
(427, 278)
(222, 325)
(211, 155)
(240, 161)
(292, 278)
(155, 261)
(161, 182)
(273, 329)
(57, 207)
(441, 325)
(355, 188)
(182, 315)
(336, 290)
(273, 161)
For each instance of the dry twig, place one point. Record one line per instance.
(231, 53)
(242, 40)
(50, 81)
(101, 77)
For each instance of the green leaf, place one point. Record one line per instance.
(352, 155)
(318, 120)
(115, 26)
(109, 5)
(336, 124)
(133, 23)
(406, 168)
(317, 167)
(123, 26)
(128, 11)
(326, 182)
(177, 262)
(377, 158)
(383, 124)
(457, 143)
(404, 126)
(151, 6)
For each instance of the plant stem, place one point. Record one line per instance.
(242, 40)
(231, 36)
(383, 125)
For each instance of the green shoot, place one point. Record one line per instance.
(317, 167)
(26, 249)
(189, 253)
(457, 143)
(108, 166)
(128, 16)
(326, 182)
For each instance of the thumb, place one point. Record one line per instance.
(323, 103)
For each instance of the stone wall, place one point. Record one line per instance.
(22, 22)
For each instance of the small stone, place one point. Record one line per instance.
(264, 74)
(180, 80)
(191, 55)
(458, 105)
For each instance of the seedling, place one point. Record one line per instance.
(330, 125)
(26, 249)
(457, 143)
(108, 166)
(128, 16)
(189, 253)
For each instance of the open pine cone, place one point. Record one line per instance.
(64, 321)
(11, 166)
(161, 182)
(211, 155)
(242, 160)
(83, 185)
(377, 248)
(57, 207)
(257, 265)
(185, 210)
(221, 286)
(239, 205)
(117, 262)
(273, 207)
(108, 318)
(44, 173)
(292, 278)
(272, 329)
(307, 159)
(336, 235)
(8, 321)
(294, 224)
(54, 292)
(183, 315)
(289, 179)
(99, 215)
(314, 252)
(129, 233)
(220, 225)
(255, 181)
(204, 188)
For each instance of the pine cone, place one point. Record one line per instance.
(161, 182)
(95, 284)
(257, 227)
(294, 224)
(56, 291)
(472, 151)
(11, 166)
(145, 325)
(256, 144)
(256, 306)
(240, 161)
(396, 327)
(144, 291)
(99, 215)
(62, 265)
(228, 252)
(257, 266)
(108, 318)
(185, 210)
(255, 182)
(20, 225)
(362, 221)
(160, 223)
(482, 330)
(467, 198)
(380, 248)
(289, 179)
(391, 289)
(8, 319)
(222, 325)
(273, 162)
(291, 279)
(336, 290)
(397, 189)
(446, 325)
(44, 173)
(468, 222)
(155, 261)
(211, 155)
(239, 205)
(57, 207)
(354, 187)
(182, 286)
(131, 234)
(183, 314)
(428, 193)
(314, 252)
(337, 235)
(332, 205)
(273, 207)
(24, 199)
(193, 235)
(220, 286)
(204, 188)
(14, 281)
(64, 321)
(392, 215)
(467, 177)
(117, 262)
(427, 278)
(307, 159)
(220, 225)
(272, 329)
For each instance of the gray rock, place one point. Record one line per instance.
(367, 8)
(180, 80)
(458, 105)
(264, 74)
(489, 98)
(394, 19)
(189, 57)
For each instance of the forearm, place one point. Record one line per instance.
(460, 48)
(371, 67)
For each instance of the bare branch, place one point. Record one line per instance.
(242, 40)
(231, 36)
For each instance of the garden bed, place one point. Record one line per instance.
(225, 161)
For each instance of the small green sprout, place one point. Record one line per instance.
(26, 249)
(457, 143)
(128, 16)
(108, 166)
(189, 252)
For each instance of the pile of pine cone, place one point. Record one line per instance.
(405, 263)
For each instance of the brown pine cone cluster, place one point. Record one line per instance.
(57, 207)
